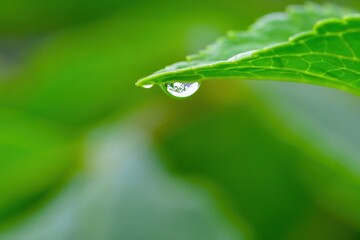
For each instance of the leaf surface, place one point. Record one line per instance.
(280, 47)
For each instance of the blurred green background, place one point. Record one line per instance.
(85, 155)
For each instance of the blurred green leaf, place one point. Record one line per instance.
(260, 165)
(84, 74)
(328, 55)
(322, 119)
(20, 17)
(35, 157)
(235, 150)
(123, 193)
(80, 77)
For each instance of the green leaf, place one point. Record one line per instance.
(281, 47)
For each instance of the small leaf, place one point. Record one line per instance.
(280, 47)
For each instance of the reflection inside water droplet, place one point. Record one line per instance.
(182, 89)
(148, 86)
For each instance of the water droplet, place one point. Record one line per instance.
(182, 89)
(148, 86)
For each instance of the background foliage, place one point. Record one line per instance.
(84, 154)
